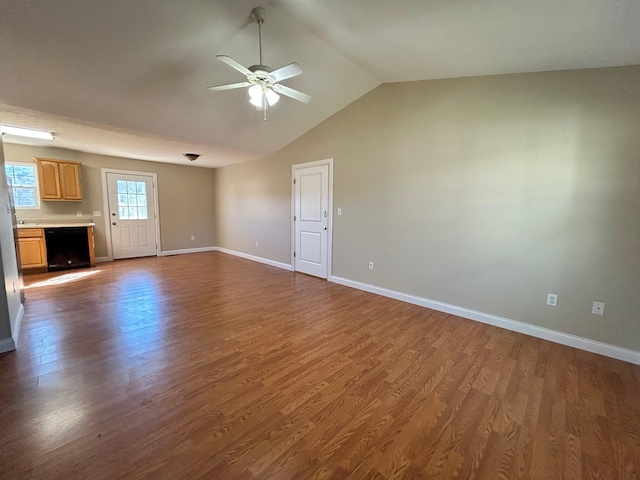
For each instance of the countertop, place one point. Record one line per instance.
(55, 225)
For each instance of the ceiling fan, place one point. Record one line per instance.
(261, 79)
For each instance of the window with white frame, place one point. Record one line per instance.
(23, 182)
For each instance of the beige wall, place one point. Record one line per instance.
(485, 193)
(185, 196)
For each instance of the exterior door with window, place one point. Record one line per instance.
(131, 215)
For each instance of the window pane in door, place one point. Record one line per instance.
(132, 200)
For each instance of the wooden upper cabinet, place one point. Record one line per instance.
(49, 179)
(59, 180)
(70, 181)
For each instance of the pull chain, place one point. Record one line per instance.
(266, 105)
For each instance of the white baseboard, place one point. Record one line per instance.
(620, 353)
(167, 253)
(16, 329)
(102, 259)
(266, 261)
(7, 344)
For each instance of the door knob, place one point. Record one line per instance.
(113, 214)
(325, 228)
(113, 223)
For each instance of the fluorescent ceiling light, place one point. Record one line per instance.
(27, 132)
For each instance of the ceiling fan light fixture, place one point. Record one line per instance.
(272, 97)
(256, 97)
(256, 101)
(255, 91)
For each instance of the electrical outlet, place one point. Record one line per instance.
(370, 265)
(598, 308)
(96, 213)
(193, 237)
(78, 213)
(552, 299)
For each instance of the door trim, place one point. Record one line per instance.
(105, 206)
(299, 166)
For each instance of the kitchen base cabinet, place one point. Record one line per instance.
(33, 250)
(56, 248)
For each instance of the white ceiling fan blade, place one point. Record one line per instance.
(230, 86)
(295, 94)
(233, 64)
(288, 71)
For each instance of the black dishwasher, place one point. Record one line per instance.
(67, 247)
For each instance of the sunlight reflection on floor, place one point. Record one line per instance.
(67, 278)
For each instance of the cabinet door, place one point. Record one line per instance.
(33, 252)
(70, 181)
(49, 176)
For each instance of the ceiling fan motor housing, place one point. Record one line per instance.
(261, 74)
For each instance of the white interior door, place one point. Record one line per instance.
(311, 219)
(131, 215)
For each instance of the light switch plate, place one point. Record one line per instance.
(339, 211)
(552, 299)
(96, 213)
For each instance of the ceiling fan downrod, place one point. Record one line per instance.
(258, 15)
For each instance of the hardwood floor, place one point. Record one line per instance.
(208, 366)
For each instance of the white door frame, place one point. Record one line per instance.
(107, 214)
(298, 166)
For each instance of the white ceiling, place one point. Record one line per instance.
(128, 78)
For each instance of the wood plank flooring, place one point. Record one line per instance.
(209, 366)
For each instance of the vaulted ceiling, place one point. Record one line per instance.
(128, 78)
